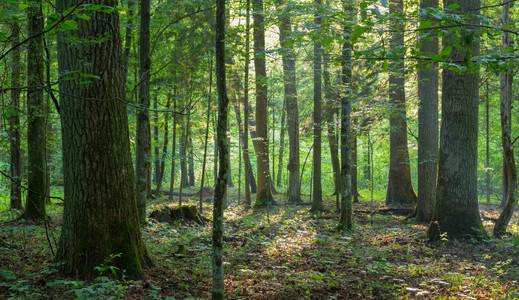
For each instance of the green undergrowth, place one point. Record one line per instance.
(276, 252)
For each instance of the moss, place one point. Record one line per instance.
(457, 224)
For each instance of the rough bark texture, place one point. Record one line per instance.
(456, 207)
(289, 80)
(346, 219)
(317, 200)
(100, 216)
(506, 135)
(399, 188)
(143, 138)
(223, 152)
(15, 170)
(427, 127)
(35, 202)
(264, 194)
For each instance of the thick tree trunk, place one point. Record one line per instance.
(346, 219)
(506, 135)
(35, 203)
(15, 170)
(317, 200)
(143, 138)
(456, 207)
(399, 188)
(100, 216)
(427, 127)
(264, 194)
(218, 287)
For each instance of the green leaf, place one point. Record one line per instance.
(385, 66)
(89, 76)
(357, 32)
(446, 51)
(516, 243)
(425, 24)
(454, 6)
(69, 25)
(83, 17)
(23, 6)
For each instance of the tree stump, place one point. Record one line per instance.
(170, 214)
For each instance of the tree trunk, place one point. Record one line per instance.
(281, 145)
(191, 162)
(399, 189)
(206, 140)
(143, 138)
(35, 203)
(427, 126)
(100, 215)
(317, 200)
(330, 108)
(156, 150)
(128, 37)
(487, 143)
(15, 170)
(456, 207)
(173, 150)
(184, 180)
(249, 180)
(346, 219)
(264, 194)
(289, 80)
(506, 128)
(354, 173)
(162, 158)
(218, 287)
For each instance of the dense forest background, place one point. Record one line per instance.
(113, 110)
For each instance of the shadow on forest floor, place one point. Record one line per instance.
(278, 252)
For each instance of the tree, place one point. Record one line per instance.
(100, 216)
(223, 154)
(317, 202)
(289, 81)
(143, 139)
(14, 123)
(35, 203)
(249, 181)
(346, 219)
(399, 188)
(509, 168)
(456, 207)
(427, 126)
(264, 194)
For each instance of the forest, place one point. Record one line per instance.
(258, 149)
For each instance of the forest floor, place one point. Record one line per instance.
(278, 252)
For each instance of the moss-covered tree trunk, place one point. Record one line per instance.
(399, 188)
(15, 165)
(456, 207)
(100, 216)
(35, 203)
(346, 219)
(427, 126)
(143, 137)
(264, 194)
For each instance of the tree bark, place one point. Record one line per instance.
(506, 128)
(399, 189)
(143, 138)
(289, 81)
(15, 170)
(346, 219)
(281, 145)
(100, 215)
(249, 180)
(317, 200)
(456, 207)
(223, 147)
(427, 126)
(162, 158)
(35, 202)
(331, 124)
(264, 194)
(173, 150)
(156, 149)
(206, 140)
